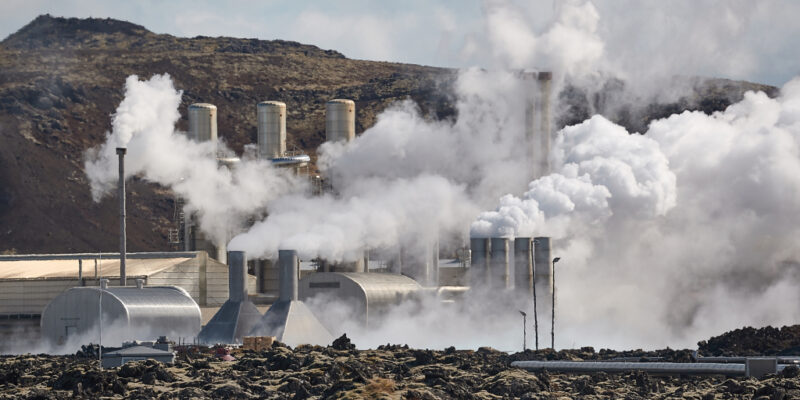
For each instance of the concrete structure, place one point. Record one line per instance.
(135, 353)
(523, 265)
(367, 294)
(340, 120)
(203, 122)
(499, 274)
(124, 313)
(479, 264)
(288, 319)
(271, 117)
(237, 317)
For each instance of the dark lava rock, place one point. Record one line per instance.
(791, 371)
(229, 392)
(583, 385)
(343, 343)
(423, 357)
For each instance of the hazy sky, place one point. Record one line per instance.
(740, 39)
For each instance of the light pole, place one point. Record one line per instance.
(553, 321)
(524, 331)
(535, 317)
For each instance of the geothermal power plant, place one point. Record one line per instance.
(203, 293)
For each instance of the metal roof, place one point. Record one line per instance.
(138, 351)
(378, 288)
(68, 268)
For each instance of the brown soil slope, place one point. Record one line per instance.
(60, 80)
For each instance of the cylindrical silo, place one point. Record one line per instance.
(479, 265)
(523, 265)
(340, 120)
(499, 270)
(289, 266)
(271, 116)
(203, 122)
(542, 273)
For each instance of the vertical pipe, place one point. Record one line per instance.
(523, 265)
(289, 265)
(544, 121)
(499, 272)
(80, 272)
(237, 276)
(479, 266)
(122, 239)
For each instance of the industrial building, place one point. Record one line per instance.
(204, 283)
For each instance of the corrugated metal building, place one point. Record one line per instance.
(29, 282)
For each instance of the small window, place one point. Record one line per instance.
(323, 285)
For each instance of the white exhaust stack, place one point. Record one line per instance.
(545, 79)
(289, 319)
(271, 117)
(543, 272)
(340, 120)
(238, 315)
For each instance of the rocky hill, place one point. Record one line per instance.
(60, 80)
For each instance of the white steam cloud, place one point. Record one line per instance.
(221, 197)
(665, 238)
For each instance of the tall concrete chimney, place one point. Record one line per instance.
(287, 275)
(479, 265)
(545, 78)
(523, 265)
(499, 273)
(123, 281)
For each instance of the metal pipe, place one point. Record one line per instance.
(649, 367)
(122, 239)
(289, 265)
(80, 272)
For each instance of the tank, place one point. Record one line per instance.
(203, 122)
(499, 273)
(340, 120)
(479, 264)
(271, 116)
(128, 313)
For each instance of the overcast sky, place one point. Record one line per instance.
(740, 39)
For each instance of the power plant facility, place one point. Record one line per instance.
(203, 292)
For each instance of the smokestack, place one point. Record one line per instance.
(340, 120)
(271, 117)
(237, 276)
(545, 79)
(542, 274)
(203, 122)
(287, 278)
(479, 266)
(523, 265)
(122, 238)
(499, 273)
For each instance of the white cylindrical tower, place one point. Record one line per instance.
(545, 79)
(203, 122)
(271, 117)
(340, 120)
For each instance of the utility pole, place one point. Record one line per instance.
(122, 239)
(553, 321)
(524, 330)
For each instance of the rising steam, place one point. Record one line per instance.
(666, 238)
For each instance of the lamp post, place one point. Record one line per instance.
(553, 321)
(535, 317)
(524, 331)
